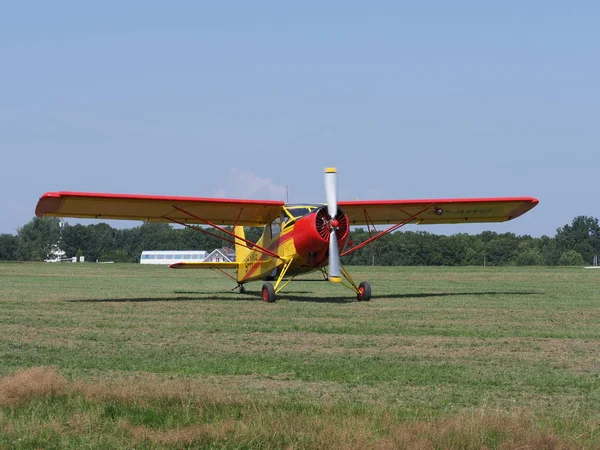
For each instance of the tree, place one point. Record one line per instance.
(36, 238)
(582, 235)
(549, 250)
(253, 234)
(502, 249)
(114, 255)
(451, 250)
(475, 254)
(531, 257)
(130, 241)
(8, 247)
(197, 240)
(574, 243)
(571, 258)
(77, 237)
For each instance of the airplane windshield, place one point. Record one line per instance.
(297, 211)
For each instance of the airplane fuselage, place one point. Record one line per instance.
(301, 235)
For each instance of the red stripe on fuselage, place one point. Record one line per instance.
(281, 240)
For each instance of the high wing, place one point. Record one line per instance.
(221, 211)
(436, 211)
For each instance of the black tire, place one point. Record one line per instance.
(268, 293)
(364, 294)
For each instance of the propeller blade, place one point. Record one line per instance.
(334, 258)
(331, 191)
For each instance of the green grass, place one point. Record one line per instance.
(131, 356)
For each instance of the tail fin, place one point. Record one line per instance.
(241, 248)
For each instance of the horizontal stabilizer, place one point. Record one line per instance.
(204, 265)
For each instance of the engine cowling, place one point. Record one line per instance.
(312, 232)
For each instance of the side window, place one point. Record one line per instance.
(275, 228)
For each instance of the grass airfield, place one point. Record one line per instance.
(132, 356)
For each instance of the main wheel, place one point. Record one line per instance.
(364, 292)
(268, 292)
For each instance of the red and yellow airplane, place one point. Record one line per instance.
(296, 239)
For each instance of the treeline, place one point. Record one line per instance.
(101, 242)
(574, 244)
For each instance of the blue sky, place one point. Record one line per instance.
(406, 99)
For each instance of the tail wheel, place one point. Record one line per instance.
(268, 293)
(364, 292)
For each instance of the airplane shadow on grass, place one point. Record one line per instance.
(291, 296)
(234, 296)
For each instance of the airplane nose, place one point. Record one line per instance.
(312, 233)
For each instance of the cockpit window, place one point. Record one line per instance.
(297, 211)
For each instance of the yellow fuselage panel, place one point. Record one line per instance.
(257, 265)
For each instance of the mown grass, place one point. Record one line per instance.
(130, 356)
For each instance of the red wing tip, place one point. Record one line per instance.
(50, 195)
(48, 203)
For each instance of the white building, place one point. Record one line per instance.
(224, 254)
(171, 256)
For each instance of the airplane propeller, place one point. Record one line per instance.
(332, 209)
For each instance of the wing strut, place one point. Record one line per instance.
(226, 274)
(384, 232)
(248, 243)
(368, 220)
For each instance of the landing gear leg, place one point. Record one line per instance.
(269, 291)
(240, 287)
(363, 290)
